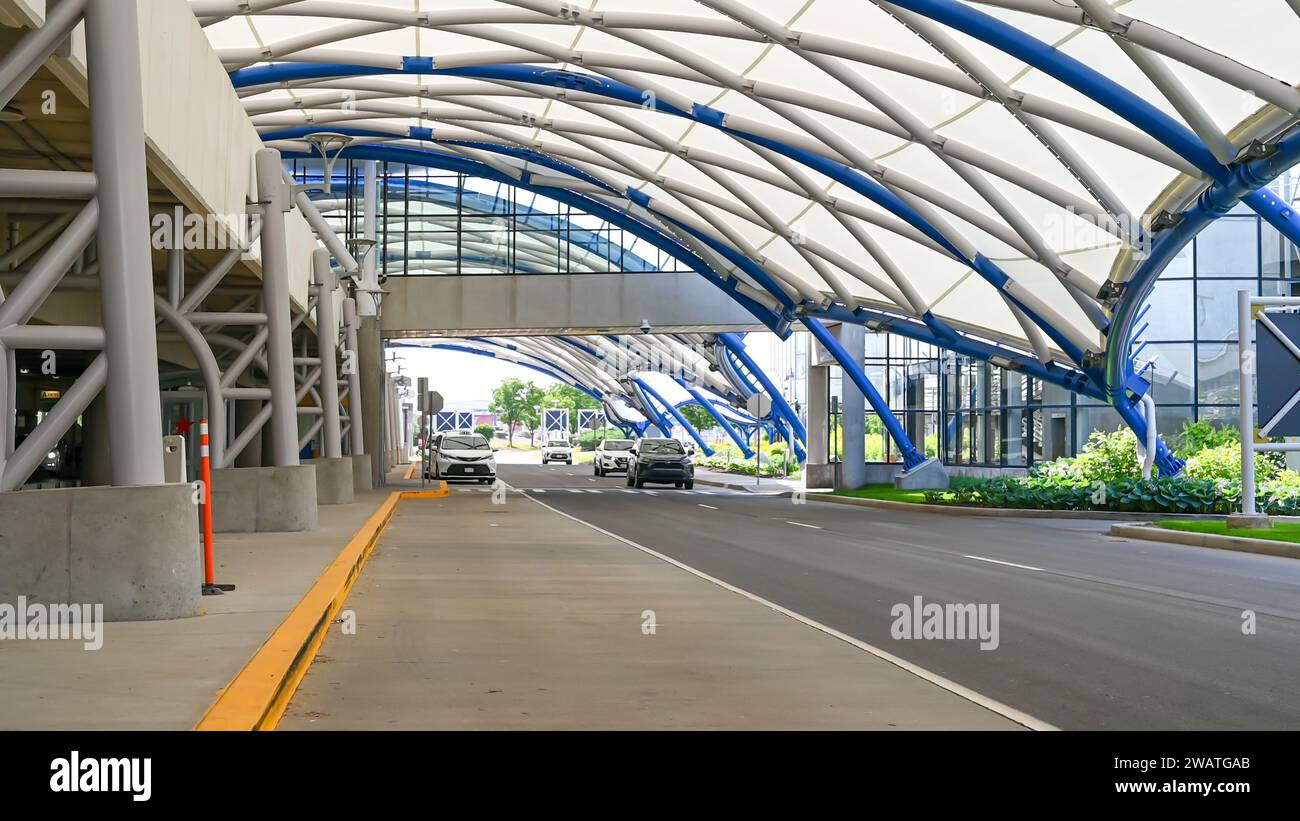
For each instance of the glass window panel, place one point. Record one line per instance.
(1216, 366)
(1173, 376)
(1169, 317)
(1181, 265)
(1014, 438)
(1095, 419)
(1223, 416)
(1171, 418)
(1053, 394)
(876, 439)
(1216, 308)
(1228, 247)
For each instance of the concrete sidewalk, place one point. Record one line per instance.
(163, 675)
(737, 481)
(474, 615)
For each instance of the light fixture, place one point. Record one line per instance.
(324, 142)
(361, 248)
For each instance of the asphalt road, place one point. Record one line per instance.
(1095, 632)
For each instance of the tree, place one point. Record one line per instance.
(516, 400)
(486, 431)
(699, 418)
(560, 395)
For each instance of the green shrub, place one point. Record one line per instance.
(1203, 435)
(1106, 476)
(1224, 462)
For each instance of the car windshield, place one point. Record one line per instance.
(465, 443)
(557, 444)
(618, 444)
(670, 446)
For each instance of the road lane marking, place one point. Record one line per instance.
(1006, 711)
(1006, 564)
(801, 524)
(709, 507)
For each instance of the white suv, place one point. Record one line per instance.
(557, 450)
(463, 456)
(613, 456)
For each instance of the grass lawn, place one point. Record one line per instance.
(1279, 532)
(886, 492)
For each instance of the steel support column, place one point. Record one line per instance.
(125, 267)
(273, 194)
(852, 366)
(327, 347)
(351, 369)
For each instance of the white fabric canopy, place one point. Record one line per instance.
(1001, 158)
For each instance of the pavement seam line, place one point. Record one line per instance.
(257, 697)
(992, 705)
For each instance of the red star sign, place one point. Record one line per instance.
(183, 426)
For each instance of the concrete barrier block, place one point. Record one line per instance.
(930, 474)
(264, 500)
(135, 550)
(362, 478)
(333, 481)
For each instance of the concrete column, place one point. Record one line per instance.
(327, 346)
(125, 268)
(853, 473)
(352, 369)
(274, 196)
(245, 411)
(818, 470)
(96, 463)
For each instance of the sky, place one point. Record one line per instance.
(464, 380)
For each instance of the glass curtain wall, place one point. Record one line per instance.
(439, 223)
(978, 414)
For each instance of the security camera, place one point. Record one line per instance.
(646, 327)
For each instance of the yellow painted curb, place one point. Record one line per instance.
(410, 471)
(256, 698)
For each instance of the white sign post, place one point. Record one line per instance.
(759, 407)
(1277, 354)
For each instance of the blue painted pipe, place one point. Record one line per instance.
(677, 414)
(853, 369)
(737, 347)
(703, 402)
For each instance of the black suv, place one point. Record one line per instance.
(661, 462)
